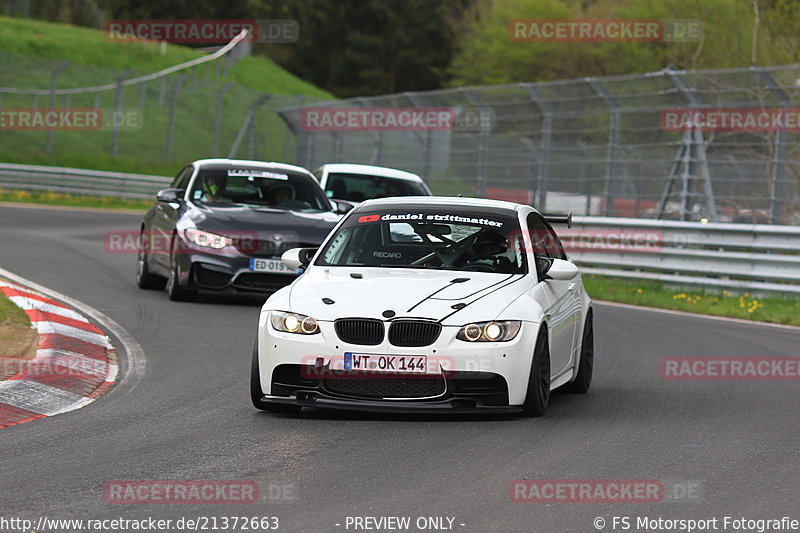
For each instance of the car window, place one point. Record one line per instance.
(181, 181)
(544, 240)
(258, 187)
(360, 187)
(430, 240)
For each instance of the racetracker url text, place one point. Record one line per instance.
(199, 523)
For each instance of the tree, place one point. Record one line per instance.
(365, 47)
(727, 39)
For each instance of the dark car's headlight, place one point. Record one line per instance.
(494, 331)
(293, 323)
(207, 239)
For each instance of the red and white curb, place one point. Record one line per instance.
(74, 364)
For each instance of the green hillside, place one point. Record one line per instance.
(30, 50)
(86, 46)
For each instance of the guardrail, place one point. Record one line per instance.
(80, 182)
(752, 257)
(761, 258)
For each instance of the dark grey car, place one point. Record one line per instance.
(223, 225)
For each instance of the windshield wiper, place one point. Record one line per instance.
(425, 267)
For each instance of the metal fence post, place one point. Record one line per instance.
(290, 129)
(543, 162)
(48, 147)
(171, 117)
(377, 152)
(252, 139)
(613, 143)
(117, 112)
(218, 118)
(778, 185)
(483, 146)
(694, 154)
(247, 121)
(427, 139)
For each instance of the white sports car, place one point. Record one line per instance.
(425, 304)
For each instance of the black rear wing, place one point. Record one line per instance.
(558, 219)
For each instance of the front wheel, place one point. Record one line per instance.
(256, 393)
(582, 381)
(175, 292)
(538, 395)
(144, 279)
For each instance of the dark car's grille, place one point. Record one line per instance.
(210, 278)
(364, 331)
(256, 281)
(380, 387)
(414, 332)
(268, 247)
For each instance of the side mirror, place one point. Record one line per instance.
(341, 207)
(298, 257)
(558, 269)
(170, 195)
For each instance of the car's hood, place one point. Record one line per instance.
(292, 226)
(431, 294)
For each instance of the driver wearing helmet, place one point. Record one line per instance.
(489, 249)
(280, 193)
(213, 187)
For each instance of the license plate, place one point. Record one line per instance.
(275, 266)
(407, 364)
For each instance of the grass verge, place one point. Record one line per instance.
(17, 339)
(11, 315)
(775, 309)
(70, 200)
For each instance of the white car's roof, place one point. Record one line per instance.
(248, 163)
(411, 201)
(369, 170)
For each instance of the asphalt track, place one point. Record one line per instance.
(189, 418)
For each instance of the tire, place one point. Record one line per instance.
(256, 393)
(175, 292)
(144, 279)
(538, 395)
(582, 382)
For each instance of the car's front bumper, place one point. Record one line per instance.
(323, 401)
(227, 272)
(490, 377)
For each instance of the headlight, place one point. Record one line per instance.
(293, 323)
(208, 240)
(499, 331)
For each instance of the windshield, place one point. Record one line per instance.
(221, 187)
(360, 187)
(428, 239)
